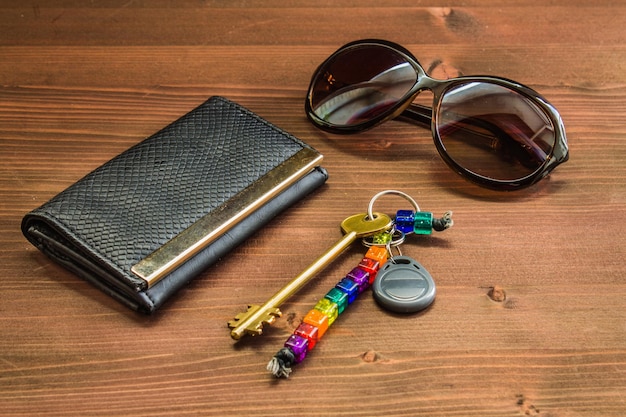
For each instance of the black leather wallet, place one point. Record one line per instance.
(145, 223)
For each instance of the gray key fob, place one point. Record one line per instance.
(402, 285)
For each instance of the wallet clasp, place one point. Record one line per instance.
(208, 228)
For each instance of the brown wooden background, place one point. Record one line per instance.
(81, 81)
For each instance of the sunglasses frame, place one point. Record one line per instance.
(428, 117)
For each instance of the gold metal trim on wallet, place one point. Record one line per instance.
(207, 229)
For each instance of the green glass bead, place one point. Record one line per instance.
(338, 297)
(423, 223)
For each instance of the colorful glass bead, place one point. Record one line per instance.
(309, 332)
(329, 308)
(361, 277)
(370, 265)
(382, 238)
(377, 253)
(349, 287)
(318, 319)
(423, 223)
(404, 221)
(298, 346)
(338, 297)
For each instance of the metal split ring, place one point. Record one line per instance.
(370, 208)
(390, 252)
(397, 237)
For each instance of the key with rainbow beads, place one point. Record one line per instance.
(323, 315)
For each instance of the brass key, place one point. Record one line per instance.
(358, 226)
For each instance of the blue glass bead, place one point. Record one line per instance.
(361, 277)
(423, 223)
(349, 287)
(298, 346)
(404, 221)
(338, 297)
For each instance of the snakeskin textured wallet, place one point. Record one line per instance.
(145, 223)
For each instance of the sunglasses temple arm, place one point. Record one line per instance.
(422, 115)
(419, 114)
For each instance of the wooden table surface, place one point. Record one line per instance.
(82, 81)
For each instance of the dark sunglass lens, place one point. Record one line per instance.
(359, 84)
(494, 131)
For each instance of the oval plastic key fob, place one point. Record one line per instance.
(402, 285)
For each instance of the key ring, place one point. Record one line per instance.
(389, 248)
(400, 284)
(397, 238)
(370, 208)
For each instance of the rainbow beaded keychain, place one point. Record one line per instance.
(415, 292)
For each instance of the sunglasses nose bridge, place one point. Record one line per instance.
(426, 82)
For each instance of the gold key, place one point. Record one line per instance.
(358, 226)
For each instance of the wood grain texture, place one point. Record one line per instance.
(82, 81)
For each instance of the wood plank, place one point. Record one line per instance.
(153, 26)
(81, 82)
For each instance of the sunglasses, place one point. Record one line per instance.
(495, 132)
